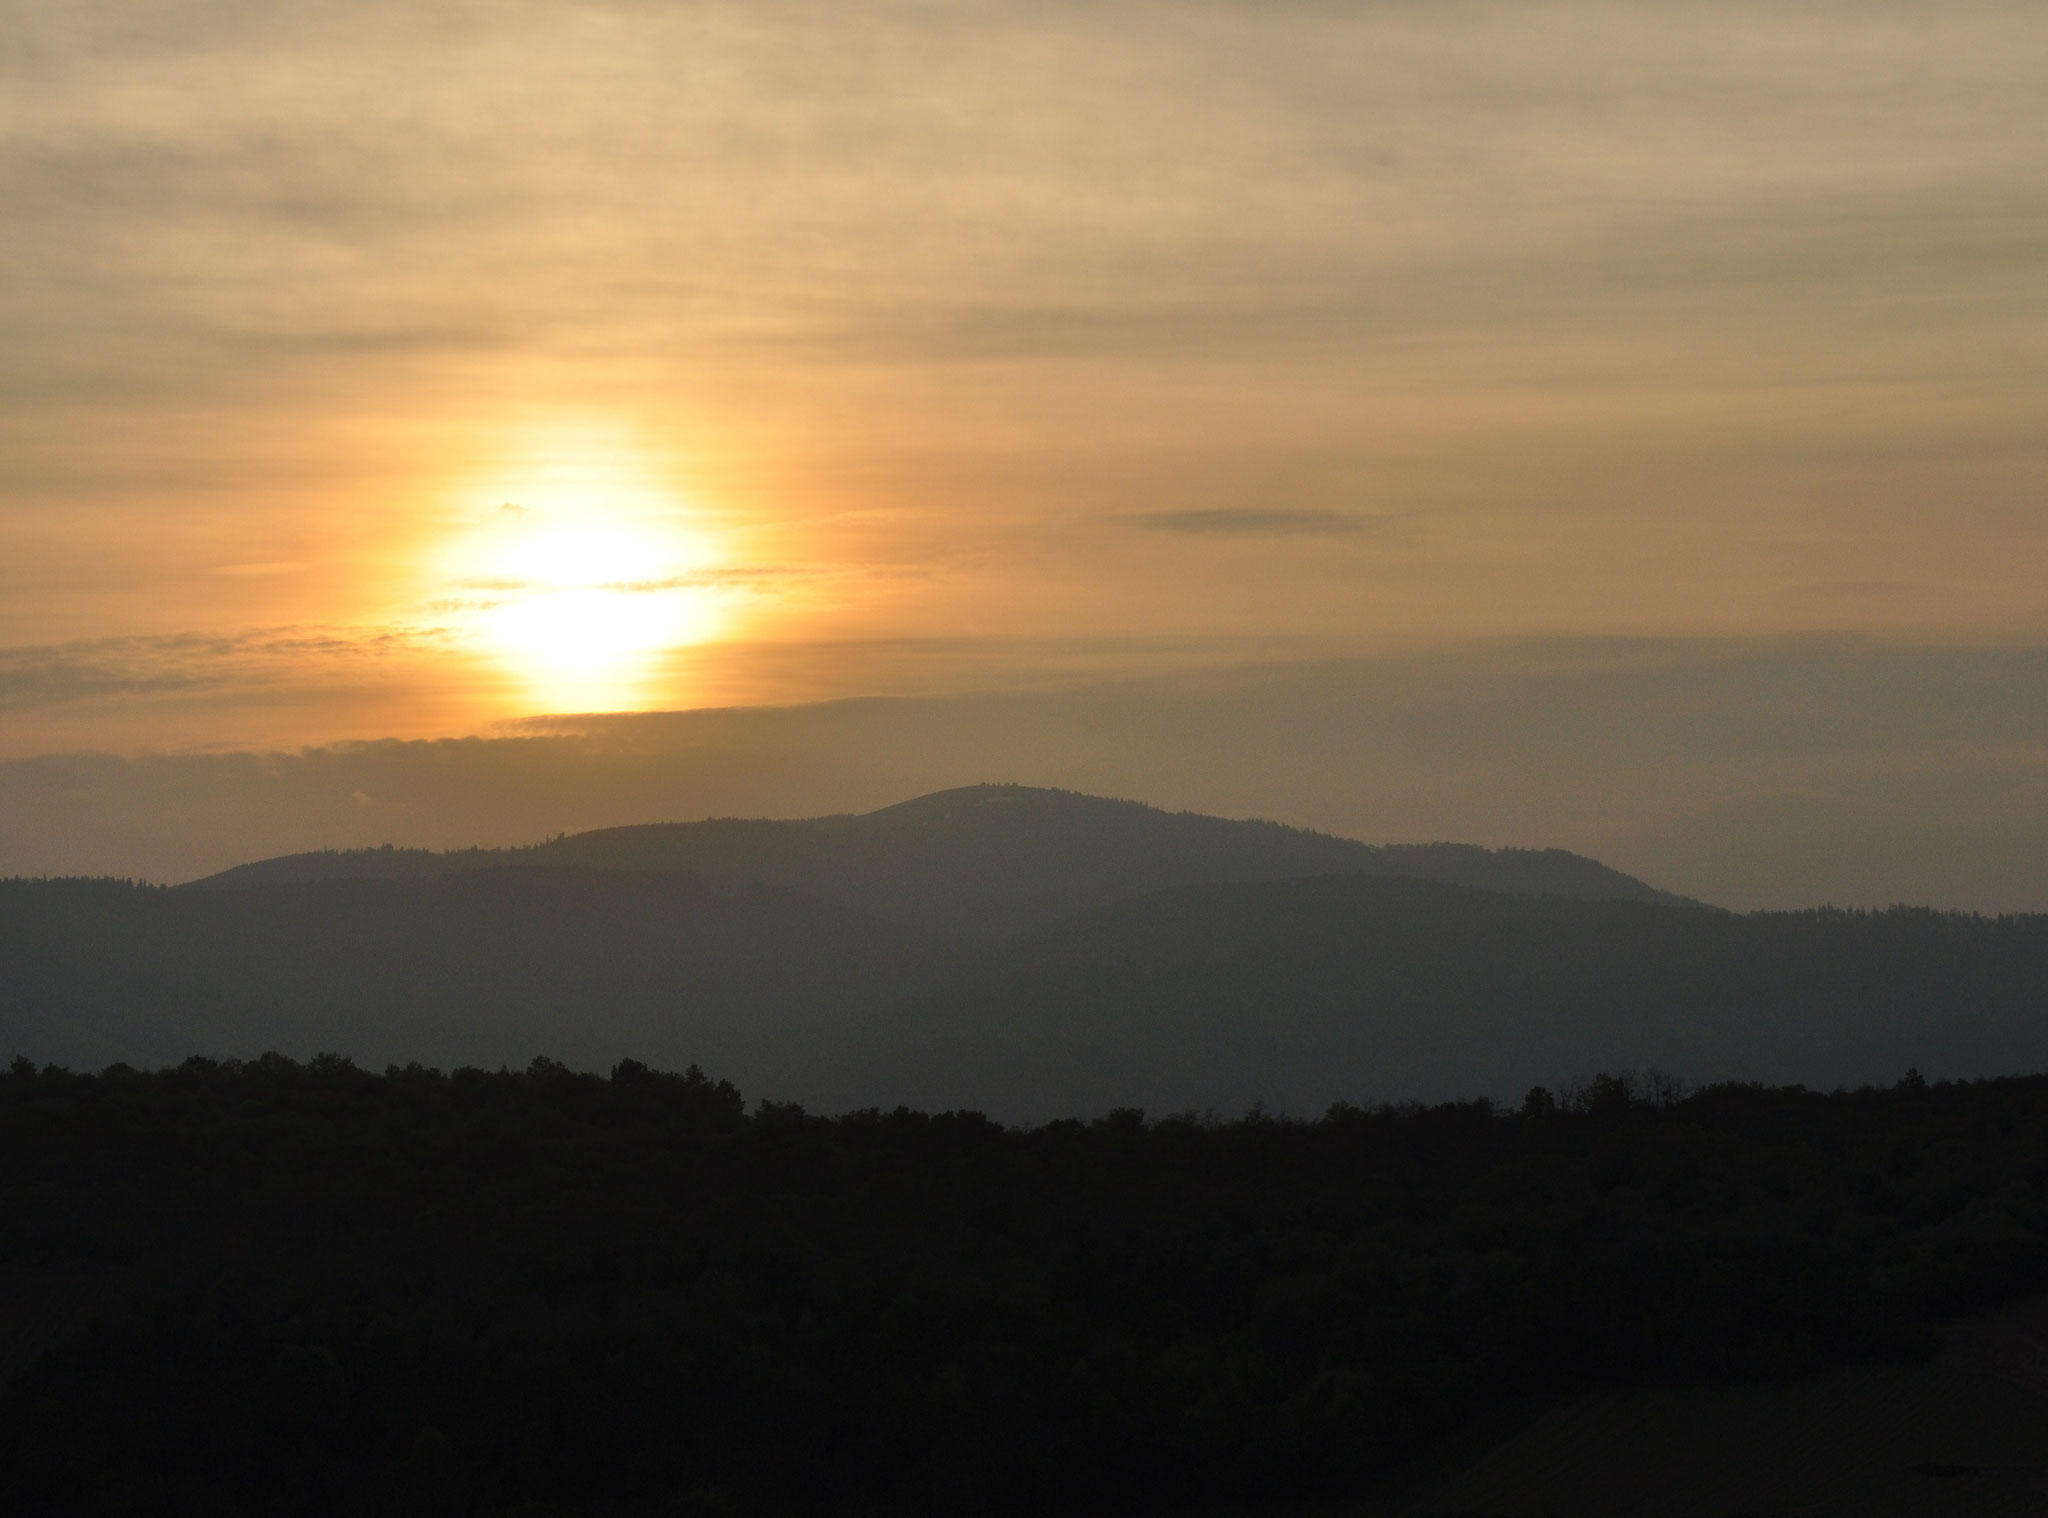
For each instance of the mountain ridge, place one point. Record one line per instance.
(1352, 988)
(1033, 954)
(1294, 993)
(990, 861)
(481, 967)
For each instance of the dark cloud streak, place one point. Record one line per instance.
(98, 669)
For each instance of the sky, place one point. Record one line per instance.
(1309, 391)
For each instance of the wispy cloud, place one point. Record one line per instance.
(1871, 590)
(1260, 521)
(722, 575)
(42, 675)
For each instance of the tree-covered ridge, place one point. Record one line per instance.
(1350, 988)
(477, 968)
(1295, 992)
(269, 1287)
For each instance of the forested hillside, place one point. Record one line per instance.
(1290, 993)
(1303, 992)
(485, 968)
(278, 1288)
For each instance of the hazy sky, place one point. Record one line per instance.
(1766, 773)
(373, 370)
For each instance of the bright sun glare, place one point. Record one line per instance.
(578, 590)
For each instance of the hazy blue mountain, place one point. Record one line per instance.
(1295, 993)
(990, 860)
(1304, 992)
(487, 967)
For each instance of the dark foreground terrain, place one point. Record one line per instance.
(272, 1288)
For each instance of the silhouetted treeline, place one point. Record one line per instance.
(272, 1288)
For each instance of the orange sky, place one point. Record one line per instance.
(1212, 325)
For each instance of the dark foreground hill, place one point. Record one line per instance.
(283, 1289)
(1291, 993)
(986, 860)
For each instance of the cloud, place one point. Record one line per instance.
(42, 675)
(711, 577)
(1057, 179)
(1258, 521)
(32, 677)
(1872, 590)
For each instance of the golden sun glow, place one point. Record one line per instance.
(579, 583)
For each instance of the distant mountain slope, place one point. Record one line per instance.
(484, 968)
(1303, 992)
(992, 860)
(1295, 993)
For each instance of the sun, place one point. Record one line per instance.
(583, 602)
(579, 598)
